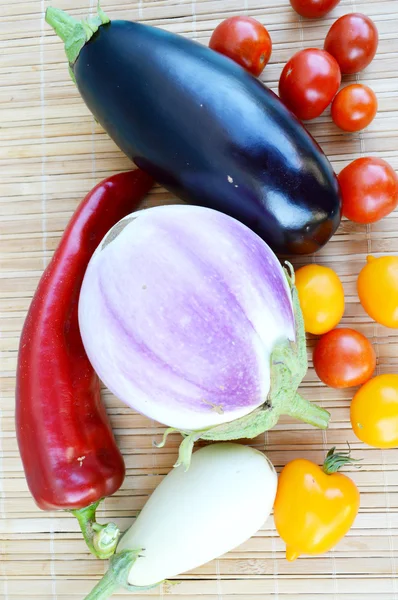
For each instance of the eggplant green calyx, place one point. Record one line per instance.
(288, 367)
(75, 34)
(100, 539)
(117, 576)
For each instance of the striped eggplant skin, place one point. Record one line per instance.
(180, 309)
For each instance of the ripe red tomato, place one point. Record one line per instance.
(354, 107)
(308, 83)
(344, 358)
(313, 9)
(244, 40)
(369, 187)
(353, 41)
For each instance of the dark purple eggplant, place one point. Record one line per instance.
(204, 128)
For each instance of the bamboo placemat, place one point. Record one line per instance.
(52, 152)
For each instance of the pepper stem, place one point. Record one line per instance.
(100, 539)
(335, 460)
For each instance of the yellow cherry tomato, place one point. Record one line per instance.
(374, 412)
(321, 298)
(378, 289)
(314, 507)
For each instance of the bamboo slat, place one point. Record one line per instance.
(51, 153)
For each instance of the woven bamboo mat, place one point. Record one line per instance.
(52, 152)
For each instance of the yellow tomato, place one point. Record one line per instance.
(374, 412)
(314, 509)
(321, 298)
(378, 289)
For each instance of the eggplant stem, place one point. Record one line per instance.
(75, 34)
(104, 588)
(165, 436)
(186, 449)
(62, 23)
(304, 410)
(117, 576)
(100, 539)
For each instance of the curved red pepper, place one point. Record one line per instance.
(68, 451)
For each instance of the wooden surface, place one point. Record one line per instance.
(52, 153)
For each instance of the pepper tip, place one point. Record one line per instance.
(291, 554)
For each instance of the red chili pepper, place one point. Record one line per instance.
(69, 454)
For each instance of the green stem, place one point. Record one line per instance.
(186, 449)
(100, 539)
(104, 588)
(335, 460)
(165, 436)
(75, 34)
(62, 23)
(117, 576)
(304, 410)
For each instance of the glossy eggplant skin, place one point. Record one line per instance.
(210, 133)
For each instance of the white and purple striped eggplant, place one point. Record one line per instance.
(188, 317)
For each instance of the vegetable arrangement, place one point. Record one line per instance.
(311, 78)
(185, 311)
(230, 144)
(191, 518)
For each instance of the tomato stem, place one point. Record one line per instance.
(334, 461)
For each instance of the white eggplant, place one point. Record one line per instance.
(193, 517)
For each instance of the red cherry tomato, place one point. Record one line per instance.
(344, 358)
(354, 107)
(353, 41)
(244, 40)
(369, 187)
(313, 9)
(308, 82)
